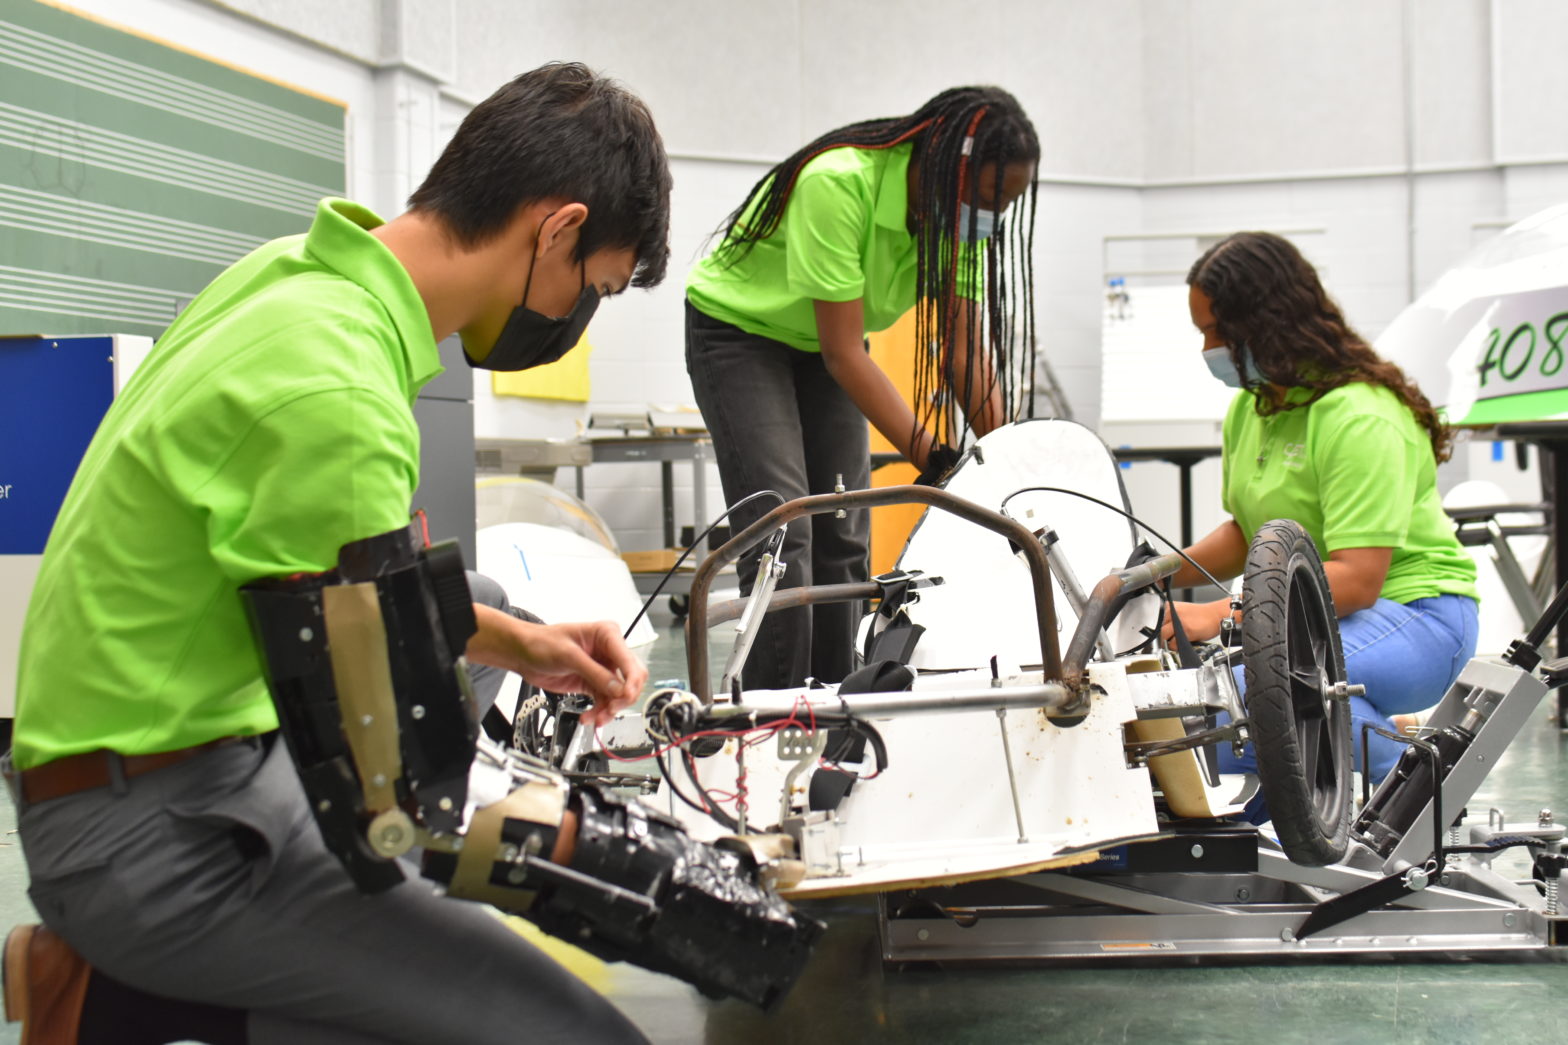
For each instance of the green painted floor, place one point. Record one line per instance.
(847, 995)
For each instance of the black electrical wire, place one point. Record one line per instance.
(1126, 515)
(874, 738)
(710, 807)
(726, 821)
(713, 810)
(699, 539)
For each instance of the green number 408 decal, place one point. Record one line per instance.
(1510, 358)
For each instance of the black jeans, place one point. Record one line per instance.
(780, 422)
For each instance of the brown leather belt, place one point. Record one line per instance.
(90, 769)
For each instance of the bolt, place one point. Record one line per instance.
(1243, 894)
(1544, 818)
(1416, 879)
(305, 634)
(365, 720)
(923, 935)
(379, 780)
(418, 711)
(516, 875)
(1287, 935)
(1508, 921)
(1197, 852)
(445, 804)
(324, 806)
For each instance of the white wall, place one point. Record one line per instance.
(737, 86)
(1402, 130)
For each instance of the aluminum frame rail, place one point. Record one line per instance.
(1022, 539)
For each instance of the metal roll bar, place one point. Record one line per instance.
(789, 598)
(1095, 611)
(1018, 534)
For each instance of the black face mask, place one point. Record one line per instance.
(530, 339)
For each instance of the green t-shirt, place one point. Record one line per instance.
(843, 235)
(271, 424)
(1355, 469)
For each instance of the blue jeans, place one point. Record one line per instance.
(1406, 655)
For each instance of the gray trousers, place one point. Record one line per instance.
(208, 881)
(780, 422)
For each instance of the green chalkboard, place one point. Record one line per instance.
(133, 172)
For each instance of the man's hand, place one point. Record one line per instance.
(585, 657)
(1200, 620)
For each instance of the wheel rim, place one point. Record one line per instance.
(1310, 654)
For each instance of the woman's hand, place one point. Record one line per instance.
(1200, 620)
(940, 460)
(841, 332)
(586, 658)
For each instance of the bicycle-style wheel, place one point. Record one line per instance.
(1300, 727)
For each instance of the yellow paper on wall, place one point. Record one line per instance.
(566, 378)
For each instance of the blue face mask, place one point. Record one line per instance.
(985, 223)
(1220, 365)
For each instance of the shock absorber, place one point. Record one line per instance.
(1397, 804)
(1550, 867)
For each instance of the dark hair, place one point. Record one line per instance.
(558, 131)
(954, 135)
(1267, 297)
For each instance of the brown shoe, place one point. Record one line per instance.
(45, 985)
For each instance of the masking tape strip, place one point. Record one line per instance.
(1179, 774)
(536, 802)
(357, 643)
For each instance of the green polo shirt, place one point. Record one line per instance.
(844, 235)
(271, 424)
(1355, 469)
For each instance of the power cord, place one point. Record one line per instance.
(1124, 514)
(699, 539)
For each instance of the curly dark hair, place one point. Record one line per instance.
(1267, 297)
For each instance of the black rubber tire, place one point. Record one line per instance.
(680, 605)
(1293, 659)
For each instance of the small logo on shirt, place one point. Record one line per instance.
(1294, 455)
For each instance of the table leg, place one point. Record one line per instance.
(1556, 453)
(1186, 502)
(1185, 467)
(699, 503)
(667, 489)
